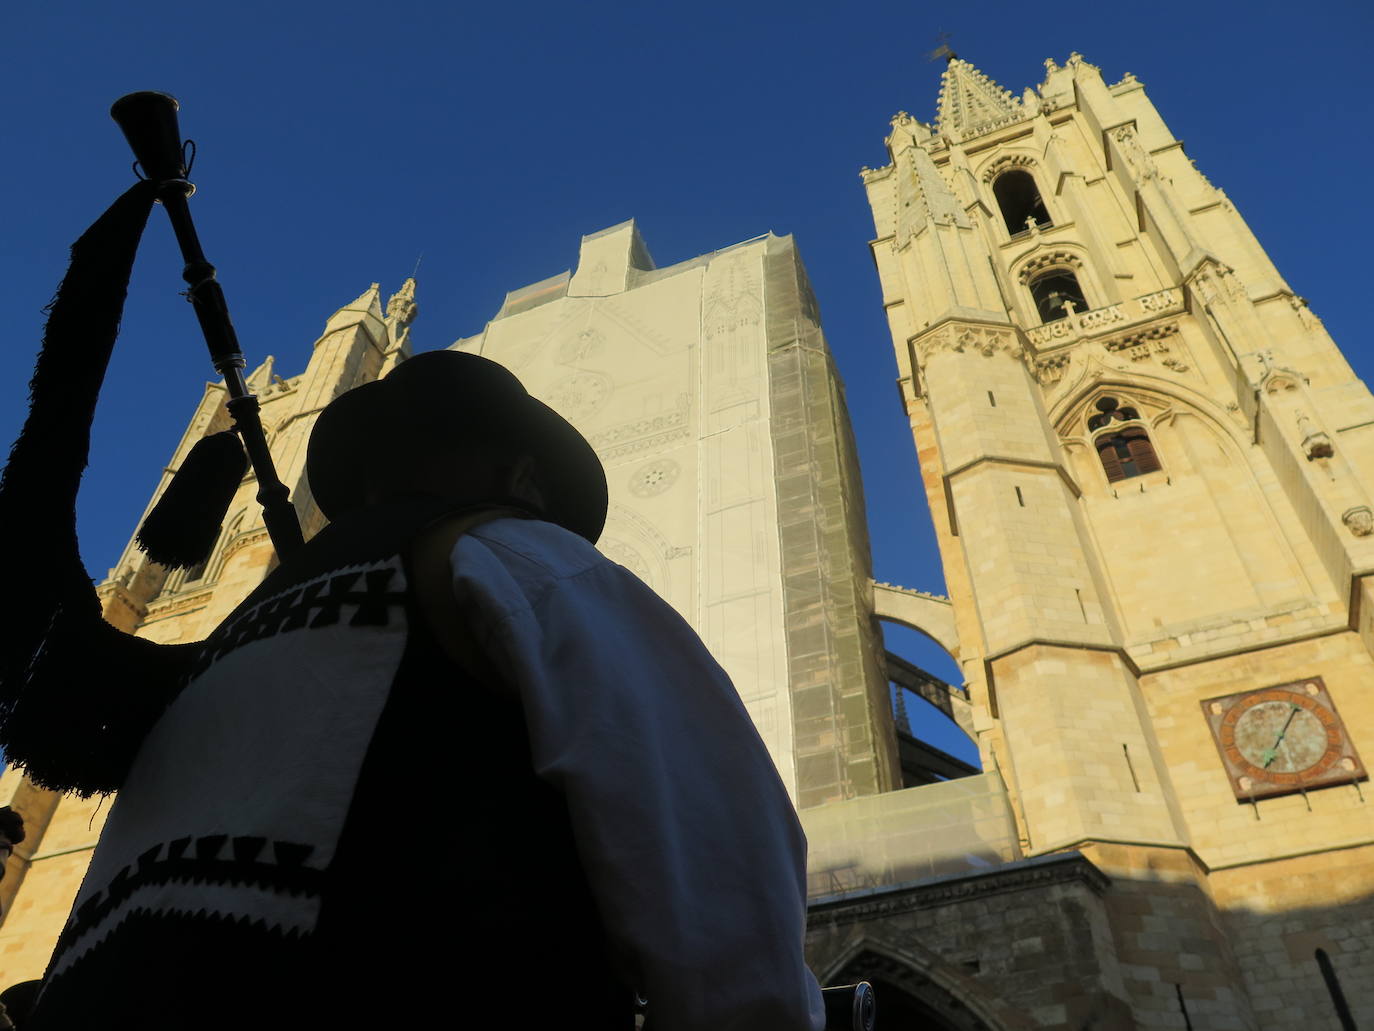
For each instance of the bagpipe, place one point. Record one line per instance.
(149, 123)
(76, 694)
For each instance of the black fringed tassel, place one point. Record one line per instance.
(39, 484)
(185, 523)
(76, 695)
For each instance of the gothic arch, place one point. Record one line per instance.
(923, 987)
(1208, 461)
(1068, 415)
(997, 174)
(206, 573)
(1046, 259)
(1160, 403)
(1006, 161)
(232, 529)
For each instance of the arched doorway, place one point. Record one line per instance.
(911, 998)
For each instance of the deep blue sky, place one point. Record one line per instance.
(338, 142)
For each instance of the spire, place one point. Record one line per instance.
(401, 309)
(368, 300)
(263, 375)
(367, 307)
(971, 103)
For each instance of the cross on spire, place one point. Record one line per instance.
(943, 50)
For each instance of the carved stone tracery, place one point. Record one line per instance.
(1006, 163)
(1359, 520)
(1095, 318)
(1049, 371)
(1315, 443)
(1048, 260)
(1159, 301)
(401, 307)
(1232, 284)
(1306, 316)
(1136, 156)
(1141, 345)
(984, 340)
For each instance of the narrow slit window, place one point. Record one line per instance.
(992, 400)
(1020, 499)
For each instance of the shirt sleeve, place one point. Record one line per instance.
(694, 851)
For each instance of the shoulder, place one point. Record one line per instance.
(509, 564)
(532, 552)
(473, 574)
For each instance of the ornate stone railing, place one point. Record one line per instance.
(1111, 318)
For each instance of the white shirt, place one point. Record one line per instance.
(693, 849)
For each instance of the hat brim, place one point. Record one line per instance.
(432, 401)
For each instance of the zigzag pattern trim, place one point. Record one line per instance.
(316, 604)
(79, 990)
(197, 861)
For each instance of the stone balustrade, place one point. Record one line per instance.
(1110, 318)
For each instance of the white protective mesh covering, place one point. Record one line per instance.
(958, 826)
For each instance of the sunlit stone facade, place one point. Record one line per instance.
(709, 393)
(1149, 470)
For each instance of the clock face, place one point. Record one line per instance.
(1282, 739)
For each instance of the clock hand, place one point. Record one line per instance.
(1271, 754)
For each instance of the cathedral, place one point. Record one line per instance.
(1146, 465)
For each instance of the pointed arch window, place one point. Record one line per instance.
(1052, 289)
(1125, 449)
(1019, 200)
(207, 570)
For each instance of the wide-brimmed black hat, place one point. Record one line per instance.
(441, 399)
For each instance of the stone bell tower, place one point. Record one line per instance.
(1149, 470)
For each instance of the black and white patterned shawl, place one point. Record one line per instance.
(244, 857)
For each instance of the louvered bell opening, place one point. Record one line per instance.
(1127, 454)
(1111, 461)
(1142, 451)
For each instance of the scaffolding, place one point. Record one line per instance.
(957, 826)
